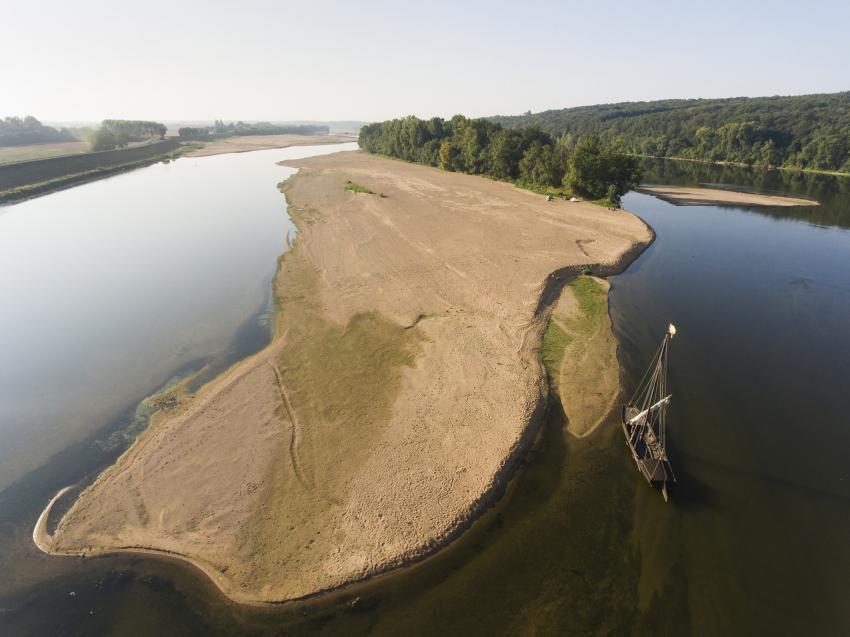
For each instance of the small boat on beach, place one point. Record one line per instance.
(645, 420)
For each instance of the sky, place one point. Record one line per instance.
(372, 60)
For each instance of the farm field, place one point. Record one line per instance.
(14, 154)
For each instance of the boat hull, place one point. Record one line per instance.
(657, 470)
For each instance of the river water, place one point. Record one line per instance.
(754, 540)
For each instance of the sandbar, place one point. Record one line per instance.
(247, 143)
(401, 389)
(696, 196)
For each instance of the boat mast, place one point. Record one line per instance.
(651, 397)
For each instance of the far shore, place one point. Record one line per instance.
(402, 389)
(247, 143)
(697, 196)
(739, 164)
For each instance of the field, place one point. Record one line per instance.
(28, 178)
(14, 154)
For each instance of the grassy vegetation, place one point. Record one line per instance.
(564, 330)
(354, 187)
(592, 302)
(580, 355)
(555, 343)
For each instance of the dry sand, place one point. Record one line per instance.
(402, 387)
(694, 196)
(248, 143)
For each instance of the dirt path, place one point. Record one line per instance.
(401, 391)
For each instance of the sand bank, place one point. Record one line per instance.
(247, 143)
(402, 387)
(695, 196)
(580, 354)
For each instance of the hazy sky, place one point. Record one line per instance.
(370, 60)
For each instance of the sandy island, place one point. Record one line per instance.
(247, 143)
(695, 196)
(403, 385)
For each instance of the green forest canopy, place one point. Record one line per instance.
(527, 156)
(807, 131)
(15, 131)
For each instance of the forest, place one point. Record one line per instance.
(15, 131)
(527, 156)
(805, 132)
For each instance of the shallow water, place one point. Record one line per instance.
(112, 287)
(754, 540)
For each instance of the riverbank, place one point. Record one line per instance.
(25, 180)
(739, 164)
(402, 387)
(247, 143)
(695, 196)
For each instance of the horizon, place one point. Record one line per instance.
(202, 121)
(377, 61)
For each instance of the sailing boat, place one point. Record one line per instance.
(644, 420)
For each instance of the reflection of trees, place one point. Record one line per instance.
(832, 192)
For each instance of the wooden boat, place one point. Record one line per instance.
(645, 421)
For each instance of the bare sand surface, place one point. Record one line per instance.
(247, 143)
(695, 196)
(403, 385)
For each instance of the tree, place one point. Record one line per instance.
(450, 156)
(103, 139)
(597, 172)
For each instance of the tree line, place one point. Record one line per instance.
(17, 131)
(267, 128)
(222, 129)
(806, 132)
(528, 156)
(117, 133)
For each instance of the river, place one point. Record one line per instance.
(754, 540)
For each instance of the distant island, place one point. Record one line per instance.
(808, 132)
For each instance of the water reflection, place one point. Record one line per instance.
(753, 542)
(831, 191)
(110, 288)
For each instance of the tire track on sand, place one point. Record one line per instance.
(294, 436)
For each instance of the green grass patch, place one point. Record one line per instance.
(555, 343)
(592, 303)
(353, 187)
